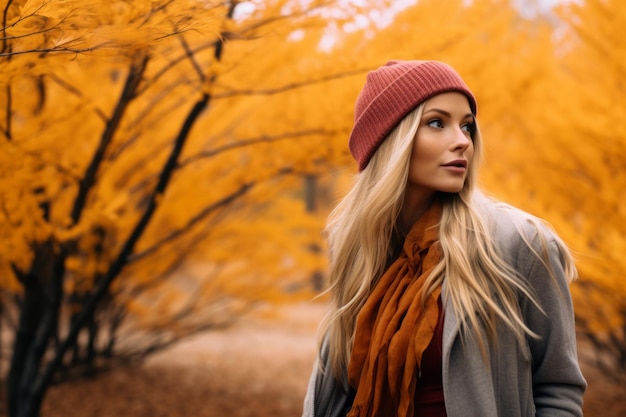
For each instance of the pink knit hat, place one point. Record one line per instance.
(390, 93)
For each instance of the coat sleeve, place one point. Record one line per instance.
(307, 409)
(326, 397)
(557, 382)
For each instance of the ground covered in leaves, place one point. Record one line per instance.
(258, 368)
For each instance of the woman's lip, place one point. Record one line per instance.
(455, 168)
(457, 163)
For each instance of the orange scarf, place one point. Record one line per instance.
(392, 328)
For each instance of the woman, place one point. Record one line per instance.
(444, 302)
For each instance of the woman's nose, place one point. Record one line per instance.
(461, 139)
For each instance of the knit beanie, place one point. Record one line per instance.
(390, 93)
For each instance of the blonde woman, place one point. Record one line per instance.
(444, 302)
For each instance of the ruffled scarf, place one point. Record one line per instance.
(393, 328)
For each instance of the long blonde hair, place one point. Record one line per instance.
(360, 230)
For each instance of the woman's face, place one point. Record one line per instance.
(443, 147)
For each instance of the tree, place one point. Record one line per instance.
(550, 87)
(133, 145)
(153, 155)
(594, 57)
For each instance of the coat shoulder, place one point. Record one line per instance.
(515, 232)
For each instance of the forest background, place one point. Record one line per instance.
(166, 166)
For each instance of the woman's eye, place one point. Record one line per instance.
(469, 128)
(435, 123)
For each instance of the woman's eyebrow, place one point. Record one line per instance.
(445, 113)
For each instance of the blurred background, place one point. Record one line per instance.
(166, 168)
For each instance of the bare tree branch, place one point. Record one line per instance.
(241, 144)
(8, 114)
(194, 220)
(37, 156)
(4, 26)
(135, 75)
(180, 258)
(175, 61)
(240, 35)
(192, 58)
(22, 18)
(286, 87)
(138, 128)
(37, 32)
(53, 50)
(153, 11)
(254, 141)
(75, 91)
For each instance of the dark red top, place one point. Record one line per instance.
(429, 388)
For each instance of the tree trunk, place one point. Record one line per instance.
(31, 314)
(39, 315)
(310, 199)
(90, 356)
(1, 318)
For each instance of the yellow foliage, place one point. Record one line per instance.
(66, 96)
(550, 95)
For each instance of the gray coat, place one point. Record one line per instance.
(540, 379)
